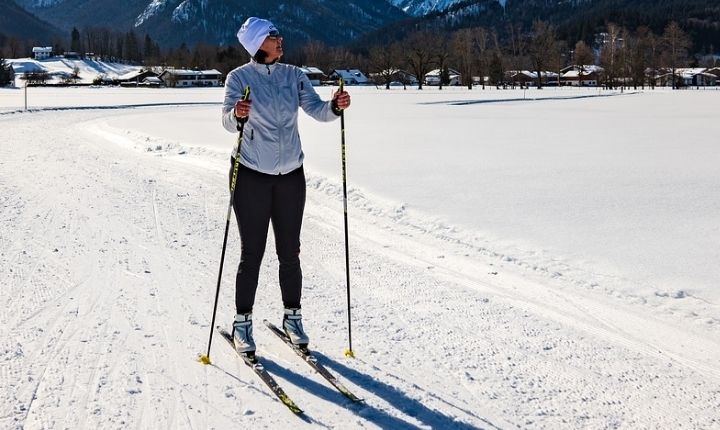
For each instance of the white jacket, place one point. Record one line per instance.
(271, 142)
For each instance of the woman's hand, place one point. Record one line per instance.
(242, 108)
(341, 100)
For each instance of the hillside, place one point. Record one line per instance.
(16, 21)
(574, 19)
(58, 68)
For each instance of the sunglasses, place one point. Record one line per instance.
(274, 35)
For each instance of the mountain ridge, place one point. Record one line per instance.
(174, 22)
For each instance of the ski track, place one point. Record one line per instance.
(109, 255)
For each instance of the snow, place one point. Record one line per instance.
(88, 69)
(424, 7)
(531, 259)
(152, 9)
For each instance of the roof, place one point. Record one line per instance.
(587, 68)
(436, 72)
(532, 75)
(576, 74)
(349, 73)
(134, 74)
(192, 72)
(47, 49)
(690, 71)
(311, 70)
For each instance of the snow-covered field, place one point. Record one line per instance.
(540, 259)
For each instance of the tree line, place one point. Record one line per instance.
(478, 51)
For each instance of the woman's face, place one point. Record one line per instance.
(273, 46)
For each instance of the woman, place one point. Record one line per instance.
(271, 181)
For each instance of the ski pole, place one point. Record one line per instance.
(348, 352)
(205, 358)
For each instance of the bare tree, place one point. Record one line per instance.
(463, 52)
(442, 55)
(542, 47)
(609, 55)
(676, 43)
(314, 54)
(341, 58)
(652, 52)
(383, 63)
(419, 54)
(15, 47)
(480, 38)
(517, 47)
(496, 65)
(583, 55)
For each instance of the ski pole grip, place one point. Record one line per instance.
(246, 96)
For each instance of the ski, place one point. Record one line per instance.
(259, 369)
(310, 359)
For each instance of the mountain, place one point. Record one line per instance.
(422, 7)
(425, 7)
(573, 19)
(17, 22)
(173, 22)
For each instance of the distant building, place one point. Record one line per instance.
(696, 77)
(42, 52)
(135, 78)
(581, 76)
(397, 77)
(715, 71)
(191, 78)
(433, 77)
(528, 78)
(315, 75)
(687, 77)
(349, 76)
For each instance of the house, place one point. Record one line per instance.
(696, 77)
(191, 78)
(581, 76)
(396, 77)
(135, 78)
(528, 78)
(521, 77)
(152, 81)
(315, 75)
(349, 76)
(42, 52)
(433, 77)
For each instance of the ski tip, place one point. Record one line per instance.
(204, 359)
(349, 353)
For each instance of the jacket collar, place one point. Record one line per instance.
(266, 69)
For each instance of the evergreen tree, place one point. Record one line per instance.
(75, 44)
(6, 74)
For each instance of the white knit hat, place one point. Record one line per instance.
(253, 32)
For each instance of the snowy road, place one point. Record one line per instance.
(108, 260)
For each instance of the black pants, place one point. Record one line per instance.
(261, 198)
